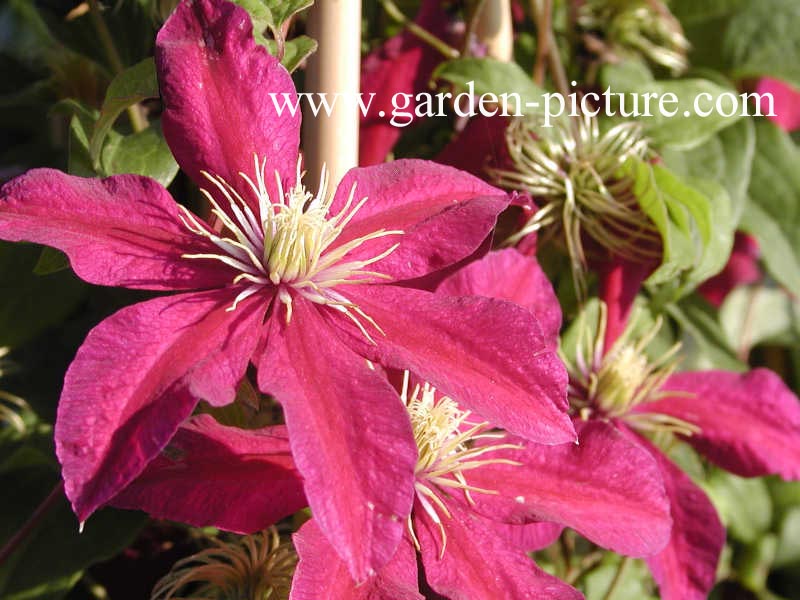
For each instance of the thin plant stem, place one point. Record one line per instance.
(420, 32)
(556, 66)
(618, 577)
(543, 14)
(35, 519)
(137, 118)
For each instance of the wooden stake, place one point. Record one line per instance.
(333, 69)
(495, 29)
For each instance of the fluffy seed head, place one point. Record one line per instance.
(572, 170)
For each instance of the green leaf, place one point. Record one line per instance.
(788, 551)
(297, 50)
(692, 11)
(50, 559)
(81, 124)
(635, 583)
(272, 14)
(495, 77)
(763, 38)
(24, 33)
(30, 303)
(683, 212)
(743, 38)
(726, 157)
(686, 129)
(704, 344)
(144, 153)
(757, 314)
(51, 261)
(743, 504)
(130, 87)
(773, 214)
(283, 10)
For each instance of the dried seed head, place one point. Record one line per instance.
(572, 170)
(255, 567)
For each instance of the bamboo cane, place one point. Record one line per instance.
(495, 29)
(333, 70)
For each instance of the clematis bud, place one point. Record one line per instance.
(643, 27)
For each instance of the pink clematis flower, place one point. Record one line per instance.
(746, 423)
(742, 269)
(401, 66)
(303, 286)
(469, 482)
(786, 101)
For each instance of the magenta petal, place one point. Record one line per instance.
(509, 275)
(479, 147)
(742, 268)
(218, 87)
(121, 231)
(750, 423)
(487, 354)
(444, 215)
(607, 488)
(230, 478)
(528, 538)
(320, 575)
(351, 437)
(686, 568)
(786, 100)
(136, 377)
(478, 564)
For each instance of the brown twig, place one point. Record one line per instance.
(543, 15)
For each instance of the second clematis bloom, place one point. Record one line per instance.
(472, 484)
(302, 285)
(746, 423)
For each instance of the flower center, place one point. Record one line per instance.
(615, 382)
(290, 243)
(445, 439)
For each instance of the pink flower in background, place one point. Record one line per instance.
(400, 66)
(742, 269)
(786, 102)
(301, 285)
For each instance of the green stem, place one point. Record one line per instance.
(422, 33)
(36, 518)
(137, 118)
(618, 577)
